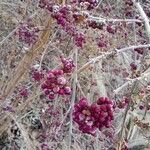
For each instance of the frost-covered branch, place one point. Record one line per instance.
(144, 17)
(94, 60)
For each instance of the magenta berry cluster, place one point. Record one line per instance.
(28, 33)
(139, 50)
(23, 92)
(102, 43)
(123, 103)
(66, 18)
(37, 75)
(90, 4)
(129, 2)
(95, 25)
(111, 29)
(79, 39)
(96, 116)
(133, 66)
(67, 65)
(142, 107)
(55, 84)
(45, 147)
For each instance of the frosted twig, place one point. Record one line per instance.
(144, 17)
(98, 19)
(131, 81)
(73, 100)
(110, 53)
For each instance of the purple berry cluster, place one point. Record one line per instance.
(139, 50)
(28, 33)
(66, 18)
(129, 2)
(45, 147)
(90, 4)
(23, 92)
(102, 43)
(129, 8)
(79, 40)
(37, 75)
(123, 103)
(111, 29)
(133, 66)
(142, 107)
(55, 84)
(95, 25)
(68, 65)
(98, 115)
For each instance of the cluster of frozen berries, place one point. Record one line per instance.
(95, 25)
(102, 43)
(128, 8)
(67, 65)
(90, 4)
(98, 115)
(55, 84)
(123, 103)
(139, 50)
(37, 75)
(129, 2)
(66, 18)
(28, 33)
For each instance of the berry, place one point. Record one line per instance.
(133, 66)
(95, 25)
(141, 107)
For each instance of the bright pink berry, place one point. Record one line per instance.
(67, 90)
(61, 81)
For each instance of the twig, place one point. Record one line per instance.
(131, 81)
(144, 17)
(110, 53)
(73, 100)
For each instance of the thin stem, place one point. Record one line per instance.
(110, 53)
(144, 17)
(73, 100)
